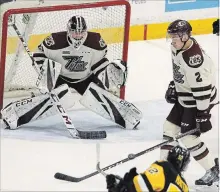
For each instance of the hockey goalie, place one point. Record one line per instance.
(77, 60)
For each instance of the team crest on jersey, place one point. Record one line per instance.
(49, 41)
(177, 76)
(75, 63)
(195, 59)
(102, 43)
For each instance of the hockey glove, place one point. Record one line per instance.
(112, 183)
(171, 95)
(130, 175)
(122, 66)
(215, 26)
(125, 184)
(203, 121)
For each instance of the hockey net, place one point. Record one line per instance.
(36, 21)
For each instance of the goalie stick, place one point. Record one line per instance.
(29, 20)
(75, 133)
(65, 177)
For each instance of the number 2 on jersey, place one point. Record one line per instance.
(198, 77)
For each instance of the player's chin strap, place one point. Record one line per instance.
(111, 107)
(184, 42)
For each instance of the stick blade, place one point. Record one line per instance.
(92, 134)
(65, 177)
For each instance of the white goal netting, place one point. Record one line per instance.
(36, 21)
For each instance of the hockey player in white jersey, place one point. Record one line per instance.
(85, 68)
(193, 94)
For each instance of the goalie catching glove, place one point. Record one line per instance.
(114, 76)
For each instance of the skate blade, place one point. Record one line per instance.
(206, 188)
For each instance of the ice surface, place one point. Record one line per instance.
(31, 155)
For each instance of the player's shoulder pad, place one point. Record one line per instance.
(193, 56)
(56, 41)
(95, 41)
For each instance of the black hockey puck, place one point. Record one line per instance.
(131, 156)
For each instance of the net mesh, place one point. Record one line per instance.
(109, 21)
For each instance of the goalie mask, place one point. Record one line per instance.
(76, 31)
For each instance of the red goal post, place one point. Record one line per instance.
(110, 18)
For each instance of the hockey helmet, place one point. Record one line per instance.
(77, 31)
(179, 158)
(179, 27)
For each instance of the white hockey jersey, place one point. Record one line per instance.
(194, 77)
(77, 65)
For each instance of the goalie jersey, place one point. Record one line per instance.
(160, 176)
(79, 64)
(194, 77)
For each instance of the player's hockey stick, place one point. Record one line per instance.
(98, 160)
(75, 133)
(65, 177)
(98, 164)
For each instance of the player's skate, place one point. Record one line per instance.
(211, 176)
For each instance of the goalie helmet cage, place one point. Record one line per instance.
(36, 21)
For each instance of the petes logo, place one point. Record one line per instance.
(195, 60)
(49, 41)
(75, 63)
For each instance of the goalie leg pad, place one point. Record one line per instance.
(65, 95)
(26, 110)
(23, 111)
(111, 107)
